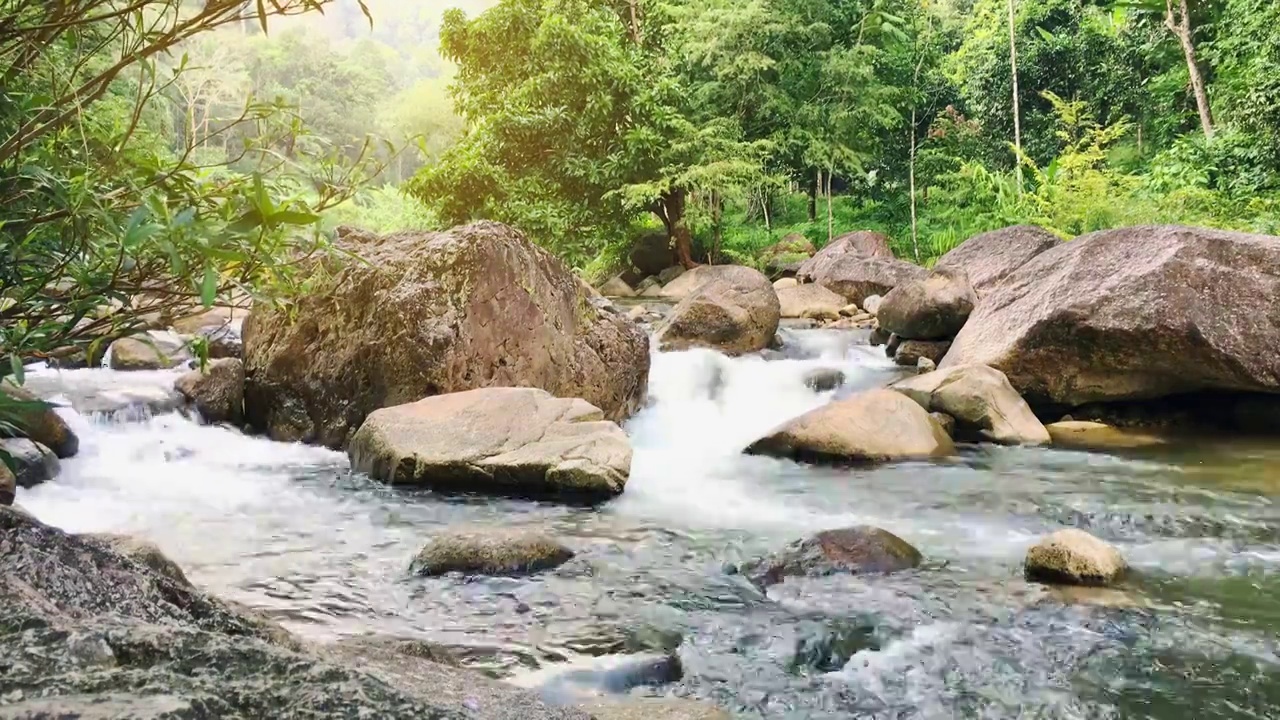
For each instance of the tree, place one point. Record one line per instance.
(1177, 19)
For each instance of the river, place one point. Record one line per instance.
(1195, 632)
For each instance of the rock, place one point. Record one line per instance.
(933, 308)
(1133, 315)
(856, 277)
(690, 280)
(489, 552)
(154, 350)
(432, 313)
(856, 550)
(617, 287)
(989, 258)
(131, 395)
(603, 676)
(89, 633)
(143, 552)
(670, 274)
(852, 310)
(37, 420)
(984, 404)
(655, 709)
(809, 301)
(861, 243)
(784, 283)
(8, 486)
(220, 326)
(925, 365)
(518, 441)
(637, 313)
(824, 379)
(946, 422)
(910, 352)
(652, 254)
(734, 310)
(1098, 436)
(879, 336)
(1074, 557)
(872, 304)
(217, 392)
(34, 463)
(891, 346)
(791, 244)
(872, 426)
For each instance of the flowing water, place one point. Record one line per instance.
(1195, 632)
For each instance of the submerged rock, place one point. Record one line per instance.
(990, 257)
(984, 404)
(872, 426)
(812, 301)
(36, 420)
(518, 441)
(34, 463)
(154, 350)
(603, 676)
(423, 314)
(217, 392)
(489, 552)
(733, 309)
(932, 308)
(1099, 436)
(1074, 557)
(860, 243)
(855, 550)
(824, 379)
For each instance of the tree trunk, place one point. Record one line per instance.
(814, 188)
(673, 216)
(1017, 110)
(1180, 25)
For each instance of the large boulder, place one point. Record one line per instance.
(785, 257)
(34, 463)
(422, 314)
(683, 284)
(1133, 314)
(489, 552)
(857, 277)
(809, 301)
(1074, 557)
(860, 243)
(217, 391)
(36, 419)
(872, 426)
(984, 404)
(153, 350)
(652, 254)
(854, 550)
(617, 287)
(141, 551)
(932, 308)
(734, 310)
(990, 257)
(518, 441)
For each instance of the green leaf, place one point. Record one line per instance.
(19, 372)
(209, 286)
(262, 15)
(293, 217)
(1048, 36)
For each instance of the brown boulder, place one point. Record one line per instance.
(513, 441)
(1074, 557)
(856, 550)
(872, 426)
(990, 257)
(1091, 435)
(652, 254)
(489, 552)
(430, 313)
(33, 463)
(984, 404)
(810, 300)
(36, 420)
(861, 243)
(910, 352)
(734, 309)
(217, 392)
(1133, 314)
(933, 308)
(857, 277)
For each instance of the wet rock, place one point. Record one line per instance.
(925, 365)
(992, 256)
(856, 277)
(785, 283)
(650, 288)
(133, 395)
(734, 309)
(425, 314)
(935, 307)
(910, 352)
(617, 287)
(489, 552)
(655, 709)
(154, 350)
(879, 336)
(861, 243)
(823, 379)
(809, 301)
(668, 275)
(872, 426)
(1074, 557)
(37, 421)
(141, 551)
(518, 441)
(1098, 436)
(872, 304)
(33, 463)
(855, 550)
(1133, 314)
(652, 254)
(891, 345)
(612, 675)
(217, 392)
(946, 422)
(984, 404)
(8, 485)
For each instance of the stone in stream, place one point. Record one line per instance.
(90, 633)
(141, 551)
(515, 441)
(824, 379)
(36, 420)
(992, 256)
(909, 353)
(668, 276)
(733, 309)
(1074, 557)
(217, 392)
(603, 676)
(856, 277)
(1133, 314)
(153, 350)
(871, 426)
(489, 552)
(935, 307)
(33, 463)
(984, 404)
(855, 550)
(220, 327)
(424, 314)
(809, 301)
(8, 485)
(617, 287)
(860, 243)
(1099, 436)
